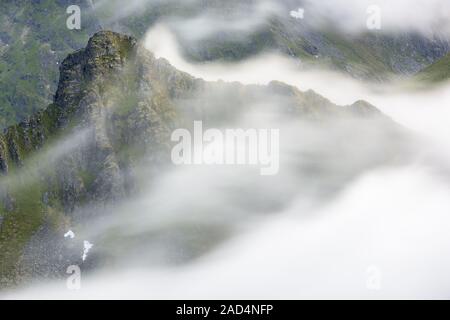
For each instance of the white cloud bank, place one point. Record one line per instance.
(400, 15)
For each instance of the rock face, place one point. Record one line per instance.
(115, 107)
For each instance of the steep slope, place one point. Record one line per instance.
(114, 109)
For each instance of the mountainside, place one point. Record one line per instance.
(374, 55)
(35, 39)
(368, 56)
(114, 109)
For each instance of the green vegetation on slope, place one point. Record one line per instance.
(33, 189)
(437, 72)
(33, 40)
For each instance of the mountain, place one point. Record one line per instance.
(114, 110)
(368, 56)
(374, 55)
(35, 40)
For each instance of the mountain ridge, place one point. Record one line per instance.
(115, 107)
(36, 39)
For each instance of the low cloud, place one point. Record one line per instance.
(200, 20)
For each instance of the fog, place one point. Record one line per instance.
(45, 160)
(371, 225)
(203, 19)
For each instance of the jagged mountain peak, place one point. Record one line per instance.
(116, 73)
(105, 52)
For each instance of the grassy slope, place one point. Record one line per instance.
(26, 187)
(34, 39)
(437, 72)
